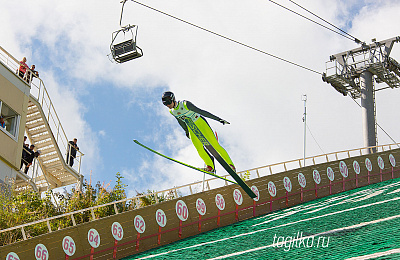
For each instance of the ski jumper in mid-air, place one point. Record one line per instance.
(186, 109)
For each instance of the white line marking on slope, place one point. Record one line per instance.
(334, 213)
(375, 255)
(398, 190)
(319, 234)
(265, 229)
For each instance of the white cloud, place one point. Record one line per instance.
(258, 94)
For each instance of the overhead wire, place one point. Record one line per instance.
(377, 124)
(314, 139)
(290, 10)
(354, 38)
(227, 38)
(346, 35)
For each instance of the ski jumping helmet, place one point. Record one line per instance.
(167, 98)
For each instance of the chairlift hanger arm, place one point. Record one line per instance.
(127, 49)
(122, 11)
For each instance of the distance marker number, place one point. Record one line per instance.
(69, 246)
(161, 218)
(237, 196)
(356, 167)
(201, 206)
(287, 183)
(220, 202)
(302, 180)
(330, 173)
(139, 224)
(41, 252)
(181, 210)
(343, 169)
(271, 189)
(257, 192)
(317, 177)
(94, 238)
(117, 231)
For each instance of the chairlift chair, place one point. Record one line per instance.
(126, 50)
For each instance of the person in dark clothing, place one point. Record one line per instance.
(35, 74)
(71, 152)
(29, 160)
(25, 150)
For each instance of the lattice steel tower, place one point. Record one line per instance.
(354, 72)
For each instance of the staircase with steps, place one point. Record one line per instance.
(44, 130)
(55, 172)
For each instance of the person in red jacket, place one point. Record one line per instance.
(22, 67)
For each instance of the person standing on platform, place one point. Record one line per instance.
(35, 74)
(71, 152)
(22, 67)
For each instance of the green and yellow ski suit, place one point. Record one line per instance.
(186, 110)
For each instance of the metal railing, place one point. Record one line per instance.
(251, 173)
(40, 94)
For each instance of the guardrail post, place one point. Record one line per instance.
(23, 233)
(48, 114)
(73, 220)
(93, 216)
(79, 163)
(115, 208)
(48, 226)
(58, 131)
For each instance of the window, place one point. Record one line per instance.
(11, 120)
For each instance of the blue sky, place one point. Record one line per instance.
(107, 105)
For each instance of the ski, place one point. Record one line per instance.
(217, 156)
(228, 168)
(182, 163)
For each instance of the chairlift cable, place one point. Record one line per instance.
(311, 20)
(227, 38)
(354, 38)
(378, 124)
(315, 139)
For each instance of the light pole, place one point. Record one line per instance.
(304, 98)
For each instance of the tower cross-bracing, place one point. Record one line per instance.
(354, 72)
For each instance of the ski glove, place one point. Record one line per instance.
(224, 122)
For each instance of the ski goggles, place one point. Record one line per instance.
(167, 102)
